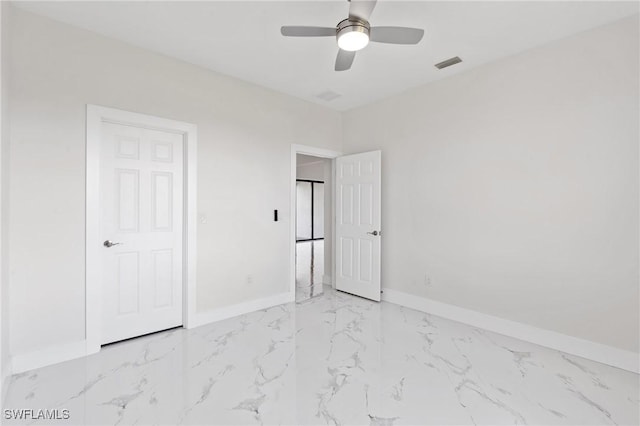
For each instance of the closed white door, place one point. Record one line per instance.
(141, 203)
(358, 182)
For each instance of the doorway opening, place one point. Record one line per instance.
(313, 221)
(352, 225)
(310, 206)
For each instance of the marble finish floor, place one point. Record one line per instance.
(309, 269)
(334, 359)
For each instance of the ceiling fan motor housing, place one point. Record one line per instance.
(352, 25)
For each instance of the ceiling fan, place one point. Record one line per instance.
(354, 33)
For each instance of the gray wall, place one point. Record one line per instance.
(244, 142)
(512, 189)
(4, 181)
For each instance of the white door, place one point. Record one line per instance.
(141, 222)
(358, 181)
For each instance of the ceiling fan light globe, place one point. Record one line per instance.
(352, 41)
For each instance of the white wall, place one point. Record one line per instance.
(321, 170)
(4, 137)
(512, 189)
(244, 141)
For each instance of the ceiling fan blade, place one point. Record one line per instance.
(301, 31)
(361, 9)
(396, 35)
(344, 60)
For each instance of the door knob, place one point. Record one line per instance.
(108, 244)
(374, 233)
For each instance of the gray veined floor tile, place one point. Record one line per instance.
(309, 269)
(335, 359)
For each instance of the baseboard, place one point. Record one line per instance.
(326, 279)
(203, 318)
(48, 356)
(609, 355)
(56, 354)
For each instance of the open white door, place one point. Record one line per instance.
(358, 181)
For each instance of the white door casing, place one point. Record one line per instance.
(358, 220)
(141, 198)
(155, 128)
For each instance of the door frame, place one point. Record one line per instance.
(316, 152)
(96, 115)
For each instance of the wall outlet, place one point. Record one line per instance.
(249, 279)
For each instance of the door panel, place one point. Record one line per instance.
(346, 256)
(128, 282)
(163, 277)
(346, 191)
(128, 201)
(161, 201)
(358, 206)
(141, 193)
(366, 261)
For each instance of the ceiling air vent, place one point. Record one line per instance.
(328, 95)
(448, 62)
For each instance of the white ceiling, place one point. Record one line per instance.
(242, 38)
(302, 160)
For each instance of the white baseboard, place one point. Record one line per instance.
(203, 318)
(609, 355)
(68, 351)
(48, 356)
(326, 279)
